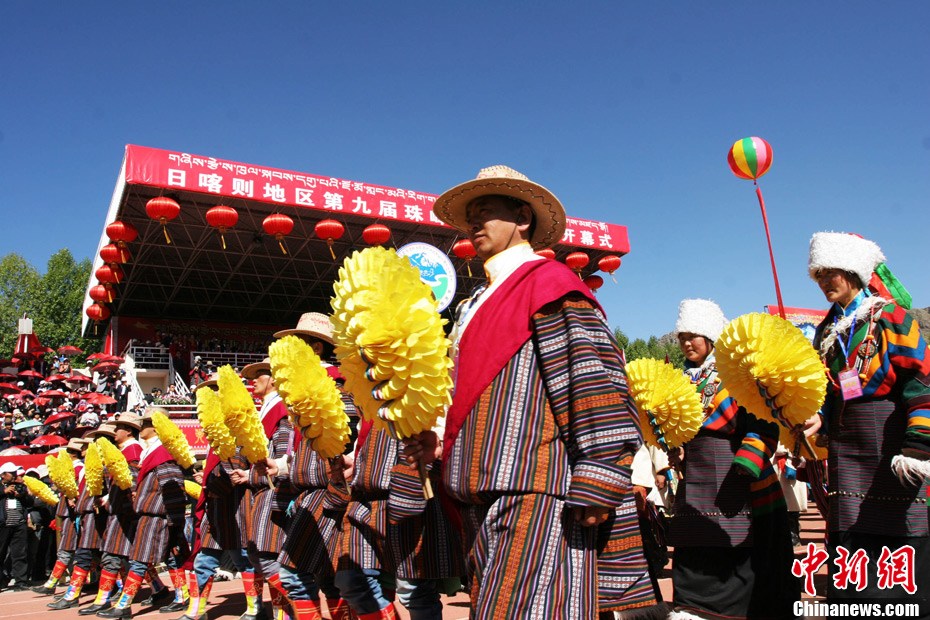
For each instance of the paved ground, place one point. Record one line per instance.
(226, 601)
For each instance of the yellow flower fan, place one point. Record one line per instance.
(61, 471)
(311, 395)
(193, 489)
(40, 490)
(670, 409)
(389, 338)
(173, 439)
(93, 470)
(116, 463)
(241, 415)
(771, 369)
(210, 414)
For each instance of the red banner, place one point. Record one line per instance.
(195, 436)
(804, 319)
(328, 195)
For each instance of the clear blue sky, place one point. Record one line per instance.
(624, 109)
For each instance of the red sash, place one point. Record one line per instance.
(158, 456)
(271, 419)
(132, 452)
(77, 477)
(500, 326)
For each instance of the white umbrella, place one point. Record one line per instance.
(27, 424)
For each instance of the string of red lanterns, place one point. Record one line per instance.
(594, 282)
(577, 261)
(122, 233)
(279, 225)
(110, 274)
(223, 218)
(546, 253)
(330, 230)
(164, 210)
(102, 293)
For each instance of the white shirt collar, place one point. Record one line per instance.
(502, 264)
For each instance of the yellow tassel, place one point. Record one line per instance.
(116, 463)
(93, 470)
(40, 490)
(311, 395)
(210, 414)
(390, 341)
(173, 439)
(241, 416)
(61, 471)
(666, 398)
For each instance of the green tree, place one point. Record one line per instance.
(52, 300)
(655, 348)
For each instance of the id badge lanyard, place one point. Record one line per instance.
(850, 385)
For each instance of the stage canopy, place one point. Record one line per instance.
(253, 280)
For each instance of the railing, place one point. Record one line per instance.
(151, 358)
(234, 359)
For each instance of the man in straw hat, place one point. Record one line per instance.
(877, 418)
(160, 501)
(66, 516)
(221, 520)
(540, 424)
(91, 519)
(267, 517)
(121, 524)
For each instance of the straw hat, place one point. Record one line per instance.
(209, 383)
(251, 371)
(107, 430)
(846, 251)
(76, 444)
(702, 317)
(313, 324)
(127, 419)
(550, 215)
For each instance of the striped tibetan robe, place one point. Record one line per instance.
(160, 503)
(267, 522)
(226, 505)
(121, 524)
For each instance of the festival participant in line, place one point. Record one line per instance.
(540, 435)
(877, 417)
(121, 523)
(729, 524)
(160, 501)
(66, 516)
(221, 516)
(267, 513)
(310, 545)
(91, 516)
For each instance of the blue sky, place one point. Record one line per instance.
(624, 110)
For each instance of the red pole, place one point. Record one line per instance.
(768, 238)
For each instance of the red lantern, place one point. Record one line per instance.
(609, 264)
(164, 210)
(594, 282)
(547, 253)
(113, 255)
(110, 274)
(329, 230)
(577, 261)
(102, 293)
(122, 233)
(279, 225)
(223, 218)
(376, 234)
(98, 312)
(465, 249)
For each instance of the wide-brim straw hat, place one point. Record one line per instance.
(209, 383)
(76, 444)
(127, 419)
(313, 324)
(105, 430)
(549, 212)
(251, 371)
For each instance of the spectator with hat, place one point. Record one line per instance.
(14, 507)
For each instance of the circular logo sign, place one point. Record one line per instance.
(436, 270)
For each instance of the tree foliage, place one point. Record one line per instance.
(662, 348)
(52, 300)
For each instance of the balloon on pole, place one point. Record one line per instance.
(749, 159)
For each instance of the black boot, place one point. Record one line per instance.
(93, 609)
(64, 604)
(43, 590)
(159, 597)
(171, 608)
(113, 612)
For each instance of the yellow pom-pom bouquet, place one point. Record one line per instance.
(173, 439)
(241, 416)
(390, 342)
(93, 470)
(116, 463)
(193, 489)
(40, 490)
(670, 409)
(771, 369)
(61, 471)
(311, 395)
(210, 414)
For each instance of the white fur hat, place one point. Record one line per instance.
(846, 251)
(702, 317)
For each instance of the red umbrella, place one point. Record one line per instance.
(49, 440)
(77, 378)
(54, 394)
(8, 387)
(56, 378)
(70, 350)
(7, 376)
(100, 399)
(105, 366)
(58, 417)
(26, 393)
(115, 359)
(30, 373)
(96, 356)
(41, 350)
(41, 401)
